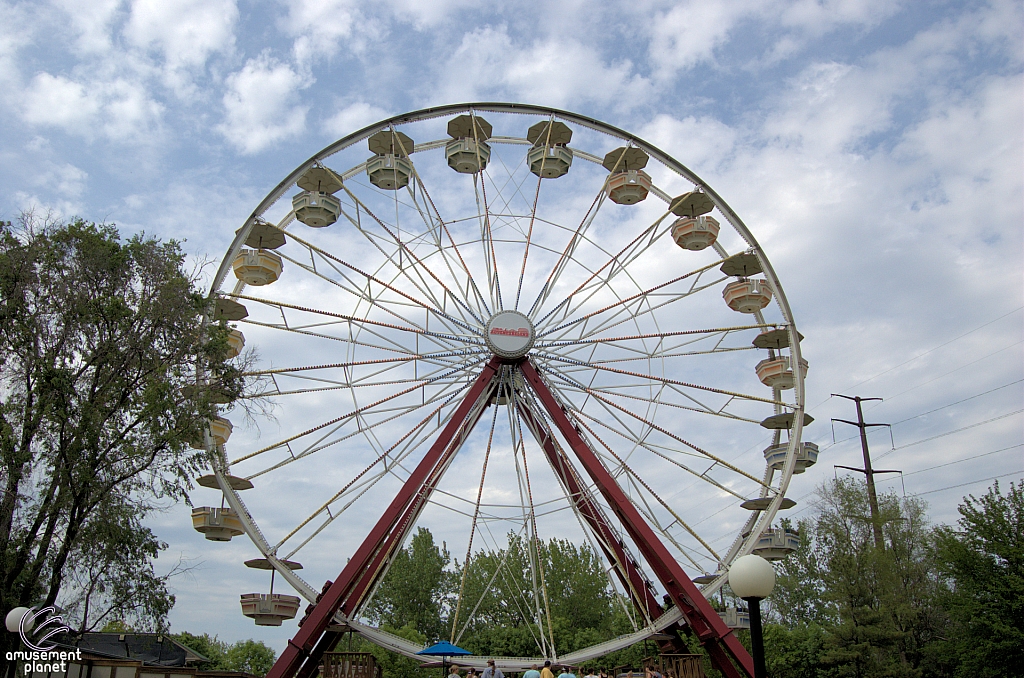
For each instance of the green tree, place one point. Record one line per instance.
(984, 563)
(99, 340)
(416, 588)
(250, 656)
(878, 608)
(214, 649)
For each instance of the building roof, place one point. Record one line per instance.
(152, 649)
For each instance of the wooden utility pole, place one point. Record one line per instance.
(868, 472)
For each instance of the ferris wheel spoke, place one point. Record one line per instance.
(359, 363)
(644, 306)
(537, 574)
(440, 223)
(615, 264)
(645, 508)
(598, 397)
(350, 415)
(420, 265)
(395, 414)
(470, 339)
(472, 529)
(645, 294)
(357, 290)
(402, 349)
(325, 507)
(336, 385)
(614, 390)
(665, 380)
(568, 252)
(487, 237)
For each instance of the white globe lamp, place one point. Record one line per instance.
(753, 578)
(14, 618)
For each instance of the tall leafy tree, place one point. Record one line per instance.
(878, 607)
(99, 340)
(984, 563)
(416, 589)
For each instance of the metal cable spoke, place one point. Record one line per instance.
(345, 417)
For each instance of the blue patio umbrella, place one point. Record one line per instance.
(443, 650)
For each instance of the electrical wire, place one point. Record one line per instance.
(973, 482)
(948, 433)
(949, 463)
(921, 355)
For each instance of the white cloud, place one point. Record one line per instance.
(55, 100)
(353, 117)
(819, 16)
(184, 32)
(688, 33)
(259, 104)
(93, 21)
(557, 71)
(702, 144)
(321, 27)
(119, 108)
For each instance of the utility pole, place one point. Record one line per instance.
(868, 472)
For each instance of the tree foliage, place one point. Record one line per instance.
(99, 339)
(878, 607)
(984, 563)
(249, 656)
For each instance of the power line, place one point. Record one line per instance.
(962, 400)
(957, 461)
(991, 390)
(921, 355)
(945, 374)
(949, 433)
(973, 482)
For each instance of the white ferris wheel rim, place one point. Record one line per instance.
(755, 524)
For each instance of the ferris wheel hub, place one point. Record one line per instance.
(509, 334)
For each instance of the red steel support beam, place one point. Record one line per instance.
(375, 569)
(310, 634)
(628, 571)
(714, 635)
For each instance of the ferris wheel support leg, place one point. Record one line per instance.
(633, 580)
(716, 638)
(307, 640)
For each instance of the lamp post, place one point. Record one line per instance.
(753, 578)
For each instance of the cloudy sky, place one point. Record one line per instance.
(874, 148)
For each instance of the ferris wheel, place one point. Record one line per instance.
(507, 321)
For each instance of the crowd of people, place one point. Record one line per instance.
(548, 671)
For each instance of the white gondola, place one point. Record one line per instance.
(735, 618)
(468, 151)
(628, 188)
(269, 609)
(627, 184)
(216, 524)
(549, 158)
(777, 372)
(777, 543)
(391, 168)
(806, 456)
(748, 295)
(695, 233)
(236, 342)
(258, 267)
(316, 209)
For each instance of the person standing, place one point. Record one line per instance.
(566, 672)
(492, 672)
(532, 673)
(546, 671)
